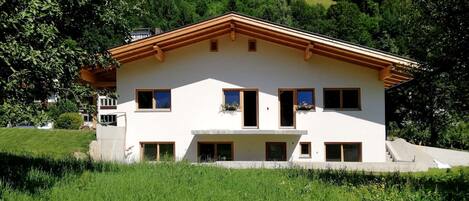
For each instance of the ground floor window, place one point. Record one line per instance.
(276, 151)
(157, 151)
(108, 119)
(305, 149)
(343, 152)
(215, 151)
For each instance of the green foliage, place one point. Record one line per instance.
(69, 120)
(14, 114)
(62, 106)
(44, 43)
(438, 96)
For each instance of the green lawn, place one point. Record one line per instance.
(52, 143)
(33, 170)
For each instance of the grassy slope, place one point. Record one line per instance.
(31, 175)
(325, 3)
(53, 143)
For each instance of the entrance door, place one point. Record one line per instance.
(250, 108)
(276, 151)
(287, 115)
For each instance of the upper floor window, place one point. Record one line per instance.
(154, 99)
(305, 99)
(344, 98)
(231, 99)
(107, 103)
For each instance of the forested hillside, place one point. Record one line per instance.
(44, 43)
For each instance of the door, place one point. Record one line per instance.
(215, 151)
(287, 115)
(206, 152)
(276, 151)
(250, 108)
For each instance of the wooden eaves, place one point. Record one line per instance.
(391, 69)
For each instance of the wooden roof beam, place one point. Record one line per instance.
(233, 32)
(385, 73)
(270, 38)
(308, 53)
(87, 76)
(159, 54)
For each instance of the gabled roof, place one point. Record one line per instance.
(391, 67)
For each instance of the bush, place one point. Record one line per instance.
(69, 121)
(62, 106)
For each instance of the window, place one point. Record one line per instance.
(346, 98)
(252, 45)
(157, 151)
(215, 151)
(343, 152)
(108, 119)
(159, 99)
(87, 117)
(214, 45)
(305, 99)
(231, 99)
(305, 149)
(107, 103)
(163, 99)
(144, 100)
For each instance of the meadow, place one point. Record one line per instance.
(31, 173)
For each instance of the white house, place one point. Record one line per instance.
(239, 88)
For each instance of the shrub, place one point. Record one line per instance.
(69, 120)
(62, 106)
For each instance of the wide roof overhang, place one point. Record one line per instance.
(392, 69)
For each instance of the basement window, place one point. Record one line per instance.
(342, 99)
(343, 152)
(157, 151)
(252, 45)
(214, 45)
(305, 149)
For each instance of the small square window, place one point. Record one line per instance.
(305, 99)
(145, 99)
(163, 99)
(214, 45)
(231, 102)
(252, 45)
(305, 149)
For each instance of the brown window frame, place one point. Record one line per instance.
(242, 107)
(360, 146)
(215, 143)
(285, 146)
(142, 149)
(341, 108)
(239, 90)
(252, 45)
(154, 108)
(309, 150)
(295, 104)
(213, 45)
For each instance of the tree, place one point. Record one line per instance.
(438, 97)
(44, 43)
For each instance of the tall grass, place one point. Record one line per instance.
(70, 179)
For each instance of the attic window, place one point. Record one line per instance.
(252, 46)
(214, 45)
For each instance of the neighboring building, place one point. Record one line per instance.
(239, 88)
(142, 33)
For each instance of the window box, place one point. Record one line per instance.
(230, 107)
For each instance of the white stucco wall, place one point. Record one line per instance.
(196, 77)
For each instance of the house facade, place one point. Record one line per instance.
(237, 88)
